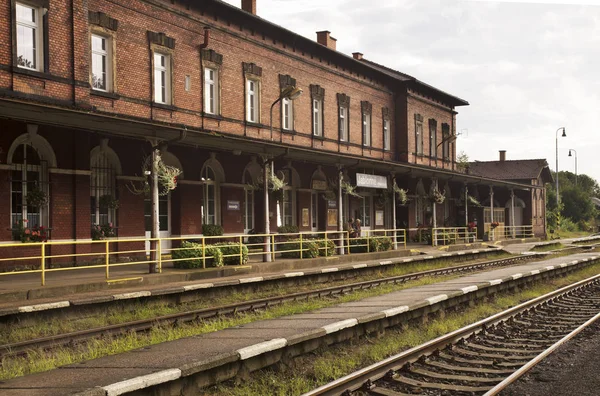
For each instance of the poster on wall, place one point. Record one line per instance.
(332, 217)
(379, 217)
(305, 221)
(233, 205)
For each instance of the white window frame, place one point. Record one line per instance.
(210, 185)
(107, 55)
(366, 129)
(164, 70)
(253, 100)
(317, 109)
(211, 91)
(419, 137)
(42, 175)
(387, 141)
(365, 211)
(344, 123)
(102, 182)
(287, 114)
(38, 27)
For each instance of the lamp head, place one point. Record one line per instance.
(291, 93)
(570, 155)
(564, 132)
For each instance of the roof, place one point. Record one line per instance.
(526, 169)
(453, 100)
(318, 48)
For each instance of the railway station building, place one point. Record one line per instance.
(89, 88)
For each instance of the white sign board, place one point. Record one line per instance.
(371, 181)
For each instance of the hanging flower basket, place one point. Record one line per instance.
(438, 197)
(36, 197)
(350, 189)
(494, 225)
(401, 194)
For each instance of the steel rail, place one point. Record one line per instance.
(20, 348)
(374, 372)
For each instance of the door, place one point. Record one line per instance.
(314, 212)
(164, 219)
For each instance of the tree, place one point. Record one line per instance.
(462, 161)
(578, 205)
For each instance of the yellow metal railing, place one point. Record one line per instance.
(450, 235)
(59, 256)
(512, 232)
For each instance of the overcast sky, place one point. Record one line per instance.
(525, 68)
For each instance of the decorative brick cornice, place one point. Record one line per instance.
(212, 56)
(432, 123)
(418, 118)
(317, 92)
(343, 100)
(161, 39)
(285, 80)
(445, 128)
(366, 107)
(385, 113)
(103, 20)
(251, 68)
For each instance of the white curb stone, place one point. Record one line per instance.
(125, 296)
(251, 280)
(337, 326)
(357, 266)
(293, 274)
(142, 382)
(395, 311)
(198, 286)
(263, 347)
(469, 289)
(326, 270)
(436, 299)
(495, 282)
(43, 307)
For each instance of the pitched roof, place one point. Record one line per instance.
(512, 170)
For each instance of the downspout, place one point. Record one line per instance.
(203, 46)
(73, 51)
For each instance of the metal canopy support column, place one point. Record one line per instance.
(267, 238)
(491, 233)
(433, 235)
(512, 211)
(394, 211)
(153, 266)
(466, 205)
(340, 210)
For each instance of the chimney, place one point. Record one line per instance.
(325, 39)
(249, 6)
(502, 155)
(357, 55)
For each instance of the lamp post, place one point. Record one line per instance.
(290, 93)
(564, 134)
(570, 155)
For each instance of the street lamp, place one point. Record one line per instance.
(290, 93)
(575, 151)
(564, 134)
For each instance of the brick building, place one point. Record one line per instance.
(87, 88)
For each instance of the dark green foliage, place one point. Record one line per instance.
(376, 244)
(193, 252)
(289, 229)
(330, 247)
(231, 252)
(310, 249)
(212, 230)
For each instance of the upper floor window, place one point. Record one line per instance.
(317, 117)
(162, 78)
(433, 138)
(101, 63)
(287, 114)
(211, 91)
(252, 100)
(30, 52)
(387, 144)
(419, 134)
(446, 141)
(344, 123)
(366, 129)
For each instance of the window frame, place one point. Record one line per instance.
(446, 144)
(108, 54)
(433, 138)
(167, 68)
(344, 124)
(40, 36)
(419, 149)
(253, 113)
(387, 137)
(317, 117)
(215, 84)
(289, 104)
(210, 187)
(367, 126)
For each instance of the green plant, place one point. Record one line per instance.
(401, 194)
(350, 189)
(438, 196)
(100, 232)
(321, 245)
(189, 255)
(108, 201)
(36, 197)
(291, 249)
(255, 240)
(231, 252)
(358, 245)
(212, 230)
(288, 229)
(21, 232)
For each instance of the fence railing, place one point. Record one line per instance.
(56, 256)
(450, 235)
(511, 232)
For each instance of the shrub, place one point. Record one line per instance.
(193, 254)
(321, 246)
(232, 250)
(310, 249)
(212, 230)
(288, 229)
(358, 245)
(376, 244)
(385, 244)
(255, 239)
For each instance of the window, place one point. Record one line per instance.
(432, 138)
(30, 53)
(286, 207)
(387, 145)
(343, 122)
(252, 101)
(211, 91)
(420, 211)
(248, 203)
(28, 175)
(162, 78)
(209, 207)
(317, 117)
(102, 189)
(419, 137)
(364, 213)
(101, 63)
(446, 141)
(366, 129)
(287, 114)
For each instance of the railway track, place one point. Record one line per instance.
(67, 339)
(482, 358)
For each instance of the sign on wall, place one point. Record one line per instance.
(305, 217)
(371, 181)
(332, 204)
(379, 217)
(332, 217)
(320, 185)
(233, 205)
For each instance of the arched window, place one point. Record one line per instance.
(209, 205)
(286, 200)
(104, 167)
(248, 181)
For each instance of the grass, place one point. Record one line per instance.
(548, 247)
(568, 234)
(325, 365)
(122, 313)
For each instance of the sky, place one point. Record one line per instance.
(526, 68)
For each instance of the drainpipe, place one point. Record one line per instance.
(394, 212)
(201, 47)
(340, 208)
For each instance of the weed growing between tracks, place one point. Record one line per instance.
(323, 366)
(121, 313)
